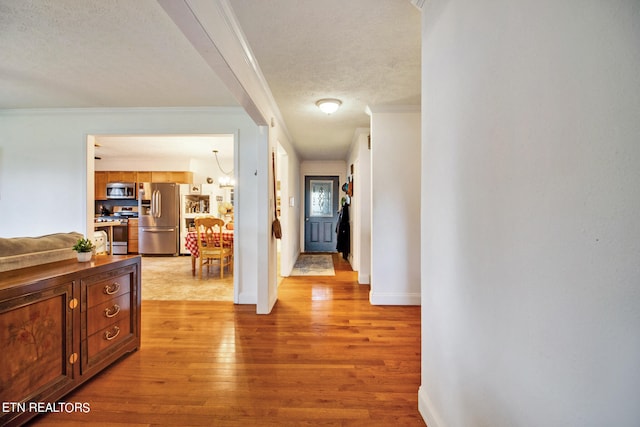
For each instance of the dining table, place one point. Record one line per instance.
(191, 244)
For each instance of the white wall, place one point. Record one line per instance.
(531, 202)
(395, 206)
(279, 142)
(44, 174)
(290, 215)
(360, 212)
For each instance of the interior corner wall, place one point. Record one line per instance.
(289, 172)
(395, 206)
(531, 195)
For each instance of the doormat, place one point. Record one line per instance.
(313, 265)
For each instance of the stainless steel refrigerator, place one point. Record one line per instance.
(158, 218)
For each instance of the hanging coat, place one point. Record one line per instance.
(344, 232)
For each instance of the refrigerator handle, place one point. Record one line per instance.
(153, 204)
(159, 204)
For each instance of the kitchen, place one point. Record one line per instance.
(149, 189)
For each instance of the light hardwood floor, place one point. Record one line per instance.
(324, 356)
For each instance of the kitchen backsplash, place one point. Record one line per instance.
(109, 205)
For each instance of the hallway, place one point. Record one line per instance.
(325, 356)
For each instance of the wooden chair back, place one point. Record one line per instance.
(213, 244)
(209, 233)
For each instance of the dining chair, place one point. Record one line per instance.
(213, 245)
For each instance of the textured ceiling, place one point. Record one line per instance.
(129, 53)
(99, 53)
(363, 52)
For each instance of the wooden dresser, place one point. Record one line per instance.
(62, 323)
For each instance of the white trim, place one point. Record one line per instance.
(237, 271)
(267, 287)
(426, 409)
(246, 298)
(120, 110)
(373, 109)
(378, 298)
(89, 190)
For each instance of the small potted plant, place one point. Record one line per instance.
(84, 248)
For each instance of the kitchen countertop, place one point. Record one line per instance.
(107, 223)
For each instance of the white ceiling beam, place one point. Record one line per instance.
(197, 29)
(418, 3)
(211, 26)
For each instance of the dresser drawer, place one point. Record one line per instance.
(105, 290)
(102, 315)
(109, 336)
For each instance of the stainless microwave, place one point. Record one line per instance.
(121, 190)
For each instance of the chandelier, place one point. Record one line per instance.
(226, 181)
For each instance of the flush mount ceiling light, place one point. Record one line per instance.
(329, 105)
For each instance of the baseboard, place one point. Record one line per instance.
(394, 299)
(364, 279)
(427, 411)
(245, 298)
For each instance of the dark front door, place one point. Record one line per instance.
(321, 213)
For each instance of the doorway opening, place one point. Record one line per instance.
(321, 212)
(205, 184)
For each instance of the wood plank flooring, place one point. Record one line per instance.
(324, 356)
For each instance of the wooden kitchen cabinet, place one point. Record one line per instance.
(169, 176)
(61, 324)
(100, 181)
(143, 176)
(132, 236)
(103, 177)
(122, 176)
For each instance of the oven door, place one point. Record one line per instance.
(120, 240)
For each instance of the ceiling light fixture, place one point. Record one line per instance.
(224, 181)
(329, 105)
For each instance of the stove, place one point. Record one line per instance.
(125, 211)
(111, 218)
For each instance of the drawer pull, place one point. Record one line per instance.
(112, 334)
(112, 311)
(112, 289)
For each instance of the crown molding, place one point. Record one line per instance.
(119, 110)
(377, 109)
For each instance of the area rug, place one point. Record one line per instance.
(313, 265)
